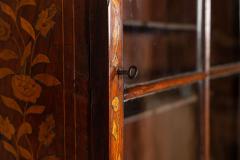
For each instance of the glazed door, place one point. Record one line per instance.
(38, 69)
(184, 103)
(165, 118)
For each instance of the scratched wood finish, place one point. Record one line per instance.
(115, 81)
(38, 67)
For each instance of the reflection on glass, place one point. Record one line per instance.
(225, 31)
(225, 114)
(174, 11)
(159, 37)
(159, 55)
(164, 126)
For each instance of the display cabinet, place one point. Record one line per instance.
(119, 79)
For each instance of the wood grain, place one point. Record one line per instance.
(57, 54)
(157, 86)
(116, 118)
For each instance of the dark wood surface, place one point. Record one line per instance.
(82, 74)
(99, 95)
(66, 45)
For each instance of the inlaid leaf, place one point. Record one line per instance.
(8, 10)
(53, 157)
(47, 79)
(24, 129)
(45, 20)
(40, 58)
(7, 128)
(5, 72)
(46, 131)
(11, 103)
(8, 147)
(25, 153)
(7, 54)
(36, 109)
(5, 32)
(26, 53)
(26, 3)
(26, 26)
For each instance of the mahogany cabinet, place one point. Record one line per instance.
(119, 79)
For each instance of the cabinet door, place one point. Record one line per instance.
(37, 71)
(185, 102)
(161, 39)
(164, 113)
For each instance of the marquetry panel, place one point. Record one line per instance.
(37, 72)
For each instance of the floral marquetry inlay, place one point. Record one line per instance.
(115, 130)
(26, 86)
(115, 104)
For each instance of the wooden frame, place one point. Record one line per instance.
(106, 112)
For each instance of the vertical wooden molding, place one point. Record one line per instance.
(206, 82)
(115, 81)
(106, 87)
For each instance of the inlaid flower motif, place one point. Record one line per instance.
(6, 128)
(115, 104)
(25, 88)
(115, 130)
(45, 22)
(5, 30)
(46, 133)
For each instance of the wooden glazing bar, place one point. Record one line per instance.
(225, 70)
(205, 109)
(141, 90)
(138, 26)
(154, 87)
(201, 67)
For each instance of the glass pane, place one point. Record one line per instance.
(159, 37)
(183, 11)
(225, 114)
(164, 126)
(225, 31)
